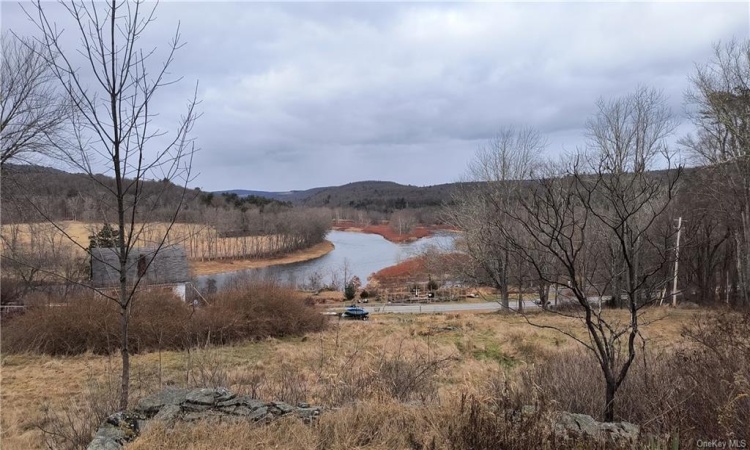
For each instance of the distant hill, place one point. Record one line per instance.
(65, 193)
(383, 196)
(288, 196)
(60, 195)
(380, 196)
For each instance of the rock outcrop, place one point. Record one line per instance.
(581, 426)
(188, 405)
(574, 427)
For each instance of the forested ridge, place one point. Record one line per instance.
(378, 196)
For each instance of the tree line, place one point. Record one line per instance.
(611, 222)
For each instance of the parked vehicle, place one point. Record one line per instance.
(355, 312)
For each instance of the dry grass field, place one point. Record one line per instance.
(200, 241)
(198, 267)
(203, 244)
(357, 370)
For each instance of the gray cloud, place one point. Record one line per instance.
(302, 95)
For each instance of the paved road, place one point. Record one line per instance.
(431, 308)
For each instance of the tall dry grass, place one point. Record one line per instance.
(466, 396)
(697, 390)
(160, 321)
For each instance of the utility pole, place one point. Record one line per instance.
(676, 262)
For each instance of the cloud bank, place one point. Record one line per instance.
(302, 95)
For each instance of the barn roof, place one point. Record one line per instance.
(168, 265)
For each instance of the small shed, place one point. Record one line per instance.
(167, 267)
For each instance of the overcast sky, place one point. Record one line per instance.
(301, 95)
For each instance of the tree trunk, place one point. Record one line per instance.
(504, 281)
(543, 295)
(124, 298)
(125, 353)
(745, 294)
(609, 407)
(617, 280)
(505, 296)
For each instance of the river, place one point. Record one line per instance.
(357, 254)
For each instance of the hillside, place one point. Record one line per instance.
(62, 195)
(76, 196)
(382, 196)
(288, 196)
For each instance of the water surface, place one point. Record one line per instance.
(357, 254)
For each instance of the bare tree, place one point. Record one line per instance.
(480, 210)
(606, 200)
(32, 113)
(31, 253)
(626, 138)
(403, 222)
(719, 105)
(113, 94)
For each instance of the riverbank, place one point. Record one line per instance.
(387, 232)
(198, 268)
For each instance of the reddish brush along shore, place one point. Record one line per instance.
(388, 232)
(417, 269)
(410, 269)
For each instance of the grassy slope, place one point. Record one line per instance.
(307, 369)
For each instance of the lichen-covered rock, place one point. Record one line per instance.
(208, 416)
(238, 410)
(153, 403)
(103, 443)
(223, 395)
(116, 430)
(281, 408)
(213, 405)
(308, 414)
(258, 414)
(620, 432)
(581, 426)
(241, 400)
(201, 396)
(168, 414)
(196, 407)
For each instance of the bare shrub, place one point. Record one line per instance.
(410, 376)
(84, 324)
(571, 380)
(258, 309)
(206, 368)
(291, 386)
(699, 391)
(160, 321)
(91, 324)
(500, 422)
(72, 426)
(11, 291)
(714, 377)
(346, 378)
(251, 383)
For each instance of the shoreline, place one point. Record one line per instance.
(201, 268)
(384, 231)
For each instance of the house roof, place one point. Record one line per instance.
(168, 265)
